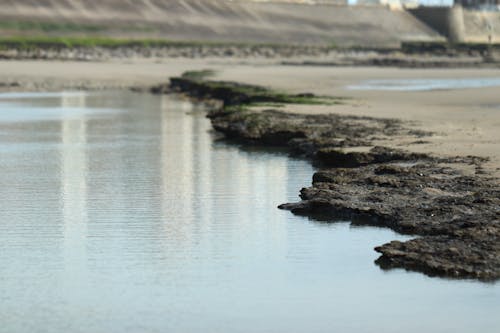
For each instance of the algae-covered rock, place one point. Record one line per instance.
(456, 215)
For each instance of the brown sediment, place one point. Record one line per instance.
(288, 55)
(456, 215)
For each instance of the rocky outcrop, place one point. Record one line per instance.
(455, 215)
(473, 253)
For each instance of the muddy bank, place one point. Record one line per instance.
(403, 61)
(296, 55)
(451, 204)
(197, 50)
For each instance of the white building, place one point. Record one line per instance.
(394, 4)
(312, 2)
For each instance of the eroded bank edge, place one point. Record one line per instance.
(455, 215)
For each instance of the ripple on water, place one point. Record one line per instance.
(120, 213)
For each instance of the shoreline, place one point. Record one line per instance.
(417, 194)
(286, 55)
(372, 113)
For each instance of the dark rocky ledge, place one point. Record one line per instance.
(455, 215)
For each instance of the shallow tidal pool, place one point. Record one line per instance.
(122, 212)
(426, 84)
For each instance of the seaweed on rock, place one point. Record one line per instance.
(456, 216)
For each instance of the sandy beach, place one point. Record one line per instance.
(464, 121)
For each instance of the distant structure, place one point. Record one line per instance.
(486, 4)
(394, 4)
(312, 2)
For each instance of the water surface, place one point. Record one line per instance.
(425, 84)
(120, 212)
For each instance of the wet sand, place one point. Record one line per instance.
(465, 121)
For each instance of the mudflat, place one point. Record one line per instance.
(464, 121)
(413, 150)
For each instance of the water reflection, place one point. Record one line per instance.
(121, 213)
(74, 190)
(176, 166)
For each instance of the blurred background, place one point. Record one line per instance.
(344, 23)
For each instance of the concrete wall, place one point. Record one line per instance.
(235, 20)
(480, 25)
(477, 3)
(448, 21)
(461, 25)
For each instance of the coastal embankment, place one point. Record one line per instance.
(294, 33)
(216, 20)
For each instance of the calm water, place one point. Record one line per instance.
(121, 213)
(426, 84)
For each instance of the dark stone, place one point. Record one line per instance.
(339, 159)
(456, 216)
